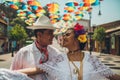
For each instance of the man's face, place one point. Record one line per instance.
(46, 37)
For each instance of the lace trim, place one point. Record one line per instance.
(51, 67)
(99, 67)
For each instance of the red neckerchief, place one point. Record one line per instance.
(43, 51)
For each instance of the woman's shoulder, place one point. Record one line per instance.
(90, 57)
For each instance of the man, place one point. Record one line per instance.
(13, 45)
(28, 58)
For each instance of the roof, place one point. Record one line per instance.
(112, 26)
(113, 30)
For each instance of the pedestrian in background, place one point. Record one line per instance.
(4, 47)
(13, 45)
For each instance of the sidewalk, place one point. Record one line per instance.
(111, 61)
(5, 60)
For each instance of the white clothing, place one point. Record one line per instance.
(28, 57)
(6, 74)
(59, 68)
(57, 65)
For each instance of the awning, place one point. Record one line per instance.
(2, 21)
(113, 30)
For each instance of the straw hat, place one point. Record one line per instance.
(42, 22)
(63, 26)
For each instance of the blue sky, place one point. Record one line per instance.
(109, 8)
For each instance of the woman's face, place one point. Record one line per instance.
(68, 38)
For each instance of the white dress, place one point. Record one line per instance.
(59, 68)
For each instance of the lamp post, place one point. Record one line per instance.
(99, 13)
(89, 31)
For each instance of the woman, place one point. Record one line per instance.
(83, 66)
(77, 65)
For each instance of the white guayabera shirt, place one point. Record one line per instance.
(29, 57)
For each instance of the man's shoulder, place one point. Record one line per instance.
(27, 48)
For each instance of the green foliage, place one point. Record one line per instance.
(19, 21)
(17, 33)
(22, 23)
(99, 34)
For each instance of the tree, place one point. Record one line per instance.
(99, 35)
(17, 33)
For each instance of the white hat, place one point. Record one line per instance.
(42, 22)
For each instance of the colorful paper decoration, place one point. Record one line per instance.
(32, 9)
(89, 1)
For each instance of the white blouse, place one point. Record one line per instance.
(58, 67)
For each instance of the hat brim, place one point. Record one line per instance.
(41, 27)
(60, 30)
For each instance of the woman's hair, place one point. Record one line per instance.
(80, 34)
(82, 45)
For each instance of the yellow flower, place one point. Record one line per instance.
(82, 38)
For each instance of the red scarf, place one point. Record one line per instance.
(44, 53)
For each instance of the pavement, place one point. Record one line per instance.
(5, 60)
(112, 61)
(109, 60)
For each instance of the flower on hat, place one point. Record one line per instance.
(80, 33)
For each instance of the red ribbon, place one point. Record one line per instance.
(44, 53)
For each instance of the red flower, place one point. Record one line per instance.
(78, 27)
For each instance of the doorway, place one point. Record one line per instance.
(107, 44)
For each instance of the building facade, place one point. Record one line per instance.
(111, 45)
(3, 35)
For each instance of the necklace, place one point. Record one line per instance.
(77, 70)
(74, 51)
